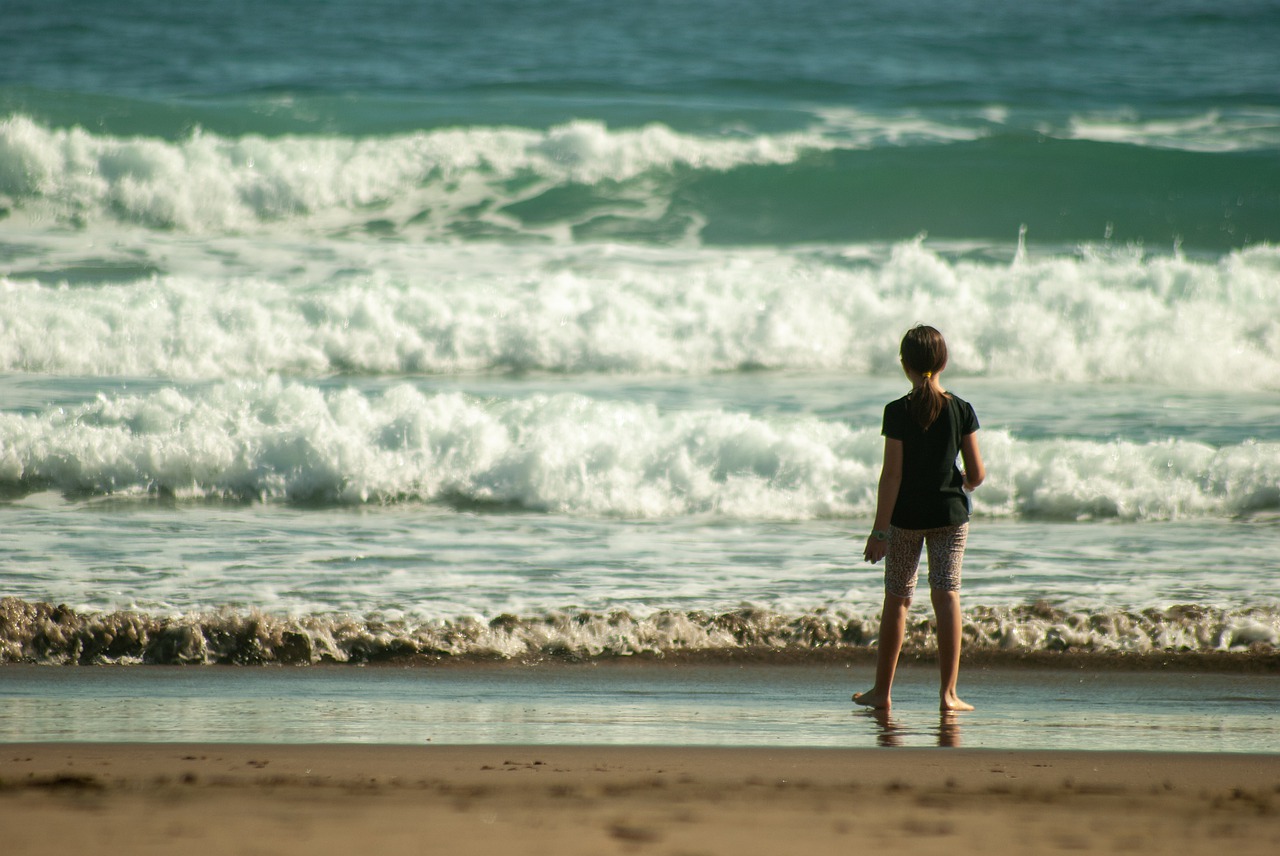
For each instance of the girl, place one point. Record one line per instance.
(923, 499)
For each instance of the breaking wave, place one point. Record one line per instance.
(847, 177)
(1099, 317)
(273, 441)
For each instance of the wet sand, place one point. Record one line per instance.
(640, 704)
(237, 798)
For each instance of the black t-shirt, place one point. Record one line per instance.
(932, 492)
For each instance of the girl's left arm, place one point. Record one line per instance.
(974, 471)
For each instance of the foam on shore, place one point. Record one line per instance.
(42, 633)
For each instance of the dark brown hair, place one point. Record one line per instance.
(924, 351)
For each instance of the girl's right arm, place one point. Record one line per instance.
(974, 472)
(886, 499)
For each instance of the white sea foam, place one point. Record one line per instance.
(568, 453)
(249, 308)
(42, 633)
(1241, 130)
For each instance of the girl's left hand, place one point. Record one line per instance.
(875, 549)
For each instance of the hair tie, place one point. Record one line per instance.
(928, 375)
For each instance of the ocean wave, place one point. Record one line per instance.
(272, 441)
(214, 183)
(848, 177)
(44, 633)
(1096, 317)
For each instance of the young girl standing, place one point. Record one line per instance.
(923, 500)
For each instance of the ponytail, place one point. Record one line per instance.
(924, 352)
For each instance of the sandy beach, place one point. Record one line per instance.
(225, 799)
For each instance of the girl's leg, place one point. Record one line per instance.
(901, 565)
(946, 606)
(946, 556)
(893, 626)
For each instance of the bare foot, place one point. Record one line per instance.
(873, 698)
(952, 702)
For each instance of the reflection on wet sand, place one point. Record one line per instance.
(890, 731)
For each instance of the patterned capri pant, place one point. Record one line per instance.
(902, 561)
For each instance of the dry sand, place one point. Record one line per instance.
(260, 799)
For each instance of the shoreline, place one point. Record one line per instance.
(639, 703)
(1259, 661)
(321, 799)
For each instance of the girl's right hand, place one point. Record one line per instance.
(875, 549)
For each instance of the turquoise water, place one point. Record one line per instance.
(342, 332)
(780, 122)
